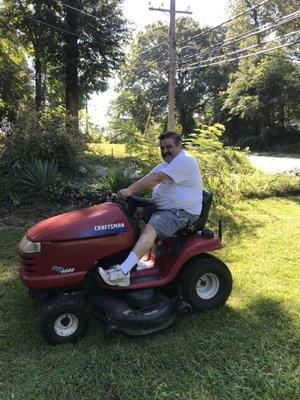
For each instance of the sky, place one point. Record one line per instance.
(206, 12)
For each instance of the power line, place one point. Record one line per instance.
(153, 47)
(287, 18)
(57, 28)
(246, 48)
(77, 9)
(80, 11)
(227, 21)
(240, 58)
(208, 30)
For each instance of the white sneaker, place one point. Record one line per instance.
(114, 276)
(144, 265)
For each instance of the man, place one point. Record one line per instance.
(177, 195)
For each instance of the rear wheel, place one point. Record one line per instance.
(64, 320)
(207, 283)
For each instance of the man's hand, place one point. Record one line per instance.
(111, 197)
(124, 193)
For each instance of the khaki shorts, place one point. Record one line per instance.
(168, 222)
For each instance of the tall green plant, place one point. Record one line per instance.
(145, 147)
(38, 175)
(116, 178)
(220, 165)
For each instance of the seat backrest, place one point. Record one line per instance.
(206, 204)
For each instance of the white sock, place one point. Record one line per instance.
(129, 263)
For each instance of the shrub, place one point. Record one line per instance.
(10, 190)
(39, 175)
(145, 147)
(76, 191)
(47, 135)
(261, 185)
(116, 178)
(220, 165)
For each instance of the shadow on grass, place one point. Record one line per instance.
(233, 354)
(247, 353)
(233, 225)
(295, 199)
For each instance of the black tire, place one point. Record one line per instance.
(214, 282)
(64, 320)
(111, 331)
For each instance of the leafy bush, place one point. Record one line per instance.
(34, 181)
(45, 136)
(220, 165)
(11, 190)
(116, 178)
(145, 147)
(77, 191)
(261, 185)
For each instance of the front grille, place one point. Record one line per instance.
(28, 263)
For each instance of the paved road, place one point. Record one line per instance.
(275, 164)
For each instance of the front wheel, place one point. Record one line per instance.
(63, 320)
(207, 283)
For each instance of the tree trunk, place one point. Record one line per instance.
(186, 120)
(72, 61)
(39, 84)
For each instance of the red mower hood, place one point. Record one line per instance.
(101, 220)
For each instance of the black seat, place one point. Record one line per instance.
(199, 225)
(206, 204)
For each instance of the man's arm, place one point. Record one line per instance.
(145, 183)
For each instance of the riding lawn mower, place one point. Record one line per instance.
(60, 257)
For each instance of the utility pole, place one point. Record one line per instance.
(172, 66)
(172, 70)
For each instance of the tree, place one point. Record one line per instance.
(78, 42)
(21, 18)
(263, 101)
(269, 13)
(94, 32)
(15, 86)
(260, 101)
(144, 79)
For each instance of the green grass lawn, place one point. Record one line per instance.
(246, 350)
(107, 149)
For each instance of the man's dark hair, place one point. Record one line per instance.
(171, 135)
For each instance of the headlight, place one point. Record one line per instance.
(27, 246)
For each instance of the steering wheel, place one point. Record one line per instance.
(134, 202)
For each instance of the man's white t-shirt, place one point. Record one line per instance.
(184, 189)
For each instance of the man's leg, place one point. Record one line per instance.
(141, 247)
(118, 275)
(145, 241)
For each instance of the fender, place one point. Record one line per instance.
(177, 251)
(190, 246)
